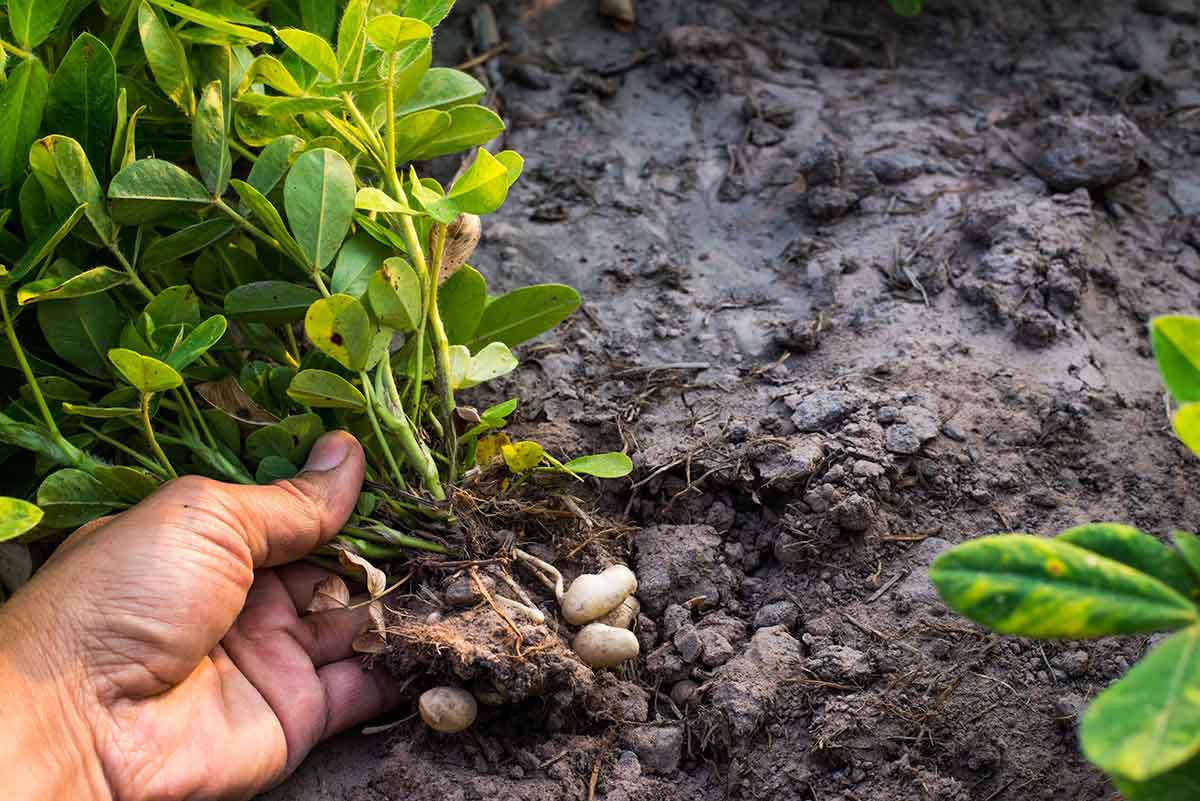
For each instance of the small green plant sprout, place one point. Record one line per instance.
(1102, 579)
(215, 245)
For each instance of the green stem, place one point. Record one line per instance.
(26, 370)
(364, 126)
(416, 456)
(293, 346)
(151, 465)
(204, 429)
(148, 430)
(260, 234)
(132, 273)
(441, 352)
(385, 535)
(126, 23)
(389, 152)
(383, 445)
(241, 150)
(409, 229)
(16, 51)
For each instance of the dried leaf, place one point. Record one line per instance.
(228, 396)
(330, 593)
(373, 577)
(373, 638)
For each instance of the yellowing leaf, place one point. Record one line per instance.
(522, 457)
(489, 449)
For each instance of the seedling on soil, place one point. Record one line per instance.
(216, 245)
(1102, 579)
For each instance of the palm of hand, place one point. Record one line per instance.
(199, 677)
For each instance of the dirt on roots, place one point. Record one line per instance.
(857, 289)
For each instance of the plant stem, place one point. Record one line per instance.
(417, 457)
(293, 347)
(260, 234)
(387, 535)
(389, 152)
(208, 435)
(16, 51)
(148, 430)
(34, 389)
(441, 352)
(132, 273)
(126, 23)
(383, 445)
(409, 229)
(149, 464)
(360, 120)
(240, 149)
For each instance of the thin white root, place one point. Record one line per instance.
(529, 612)
(547, 573)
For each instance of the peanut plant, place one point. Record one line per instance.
(214, 246)
(1102, 579)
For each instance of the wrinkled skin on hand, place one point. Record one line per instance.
(163, 653)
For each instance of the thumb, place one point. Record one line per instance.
(280, 522)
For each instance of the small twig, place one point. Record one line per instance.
(483, 57)
(887, 586)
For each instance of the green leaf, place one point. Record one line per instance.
(359, 257)
(390, 33)
(22, 105)
(499, 411)
(371, 199)
(69, 498)
(1189, 549)
(273, 163)
(273, 106)
(32, 21)
(91, 282)
(413, 65)
(1178, 783)
(311, 49)
(1142, 552)
(198, 342)
(602, 465)
(319, 197)
(151, 189)
(270, 302)
(145, 374)
(1020, 584)
(17, 517)
(418, 130)
(1149, 721)
(57, 388)
(290, 438)
(431, 12)
(483, 187)
(168, 62)
(523, 314)
(184, 242)
(394, 294)
(237, 33)
(461, 301)
(1187, 426)
(319, 16)
(175, 305)
(274, 468)
(467, 371)
(129, 484)
(351, 36)
(269, 70)
(320, 389)
(469, 126)
(101, 412)
(429, 196)
(442, 87)
(268, 217)
(44, 247)
(82, 99)
(1176, 343)
(64, 159)
(339, 327)
(210, 141)
(81, 331)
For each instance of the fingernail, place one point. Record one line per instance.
(329, 452)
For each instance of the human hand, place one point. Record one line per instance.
(161, 653)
